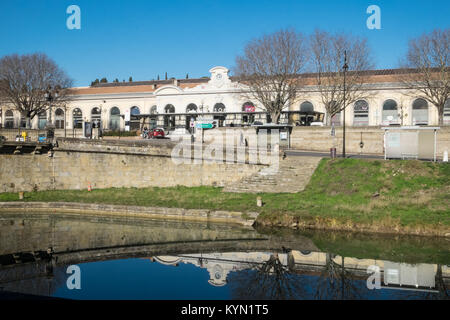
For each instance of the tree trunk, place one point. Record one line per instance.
(275, 116)
(328, 119)
(441, 115)
(28, 120)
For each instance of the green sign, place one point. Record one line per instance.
(204, 125)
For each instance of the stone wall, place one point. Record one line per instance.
(99, 167)
(319, 139)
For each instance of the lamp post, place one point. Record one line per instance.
(345, 67)
(50, 95)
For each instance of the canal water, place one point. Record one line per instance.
(93, 257)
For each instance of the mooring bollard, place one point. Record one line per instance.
(259, 202)
(21, 195)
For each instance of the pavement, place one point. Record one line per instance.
(304, 153)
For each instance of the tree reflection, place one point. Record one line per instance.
(271, 280)
(335, 282)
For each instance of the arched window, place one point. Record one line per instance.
(447, 112)
(96, 117)
(114, 119)
(248, 107)
(390, 112)
(42, 119)
(59, 119)
(306, 107)
(169, 109)
(361, 113)
(420, 112)
(191, 108)
(77, 118)
(9, 119)
(134, 121)
(219, 107)
(154, 110)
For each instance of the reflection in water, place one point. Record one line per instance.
(143, 259)
(314, 275)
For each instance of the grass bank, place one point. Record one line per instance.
(409, 197)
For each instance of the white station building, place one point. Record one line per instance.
(176, 103)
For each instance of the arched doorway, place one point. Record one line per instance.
(390, 112)
(169, 120)
(361, 113)
(420, 112)
(9, 119)
(42, 119)
(248, 117)
(153, 118)
(96, 117)
(134, 121)
(59, 119)
(77, 116)
(192, 116)
(114, 119)
(306, 113)
(219, 108)
(23, 121)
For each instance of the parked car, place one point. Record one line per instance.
(157, 133)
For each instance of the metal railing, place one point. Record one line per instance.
(33, 134)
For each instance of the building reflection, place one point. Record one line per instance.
(335, 276)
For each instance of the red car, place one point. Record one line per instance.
(157, 133)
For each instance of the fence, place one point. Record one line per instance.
(33, 134)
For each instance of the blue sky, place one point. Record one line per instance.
(144, 38)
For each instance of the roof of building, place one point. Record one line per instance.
(372, 76)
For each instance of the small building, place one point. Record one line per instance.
(411, 142)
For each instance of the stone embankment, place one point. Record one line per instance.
(205, 215)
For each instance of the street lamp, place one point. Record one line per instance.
(50, 95)
(345, 67)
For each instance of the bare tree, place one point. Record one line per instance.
(24, 79)
(428, 69)
(269, 70)
(328, 59)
